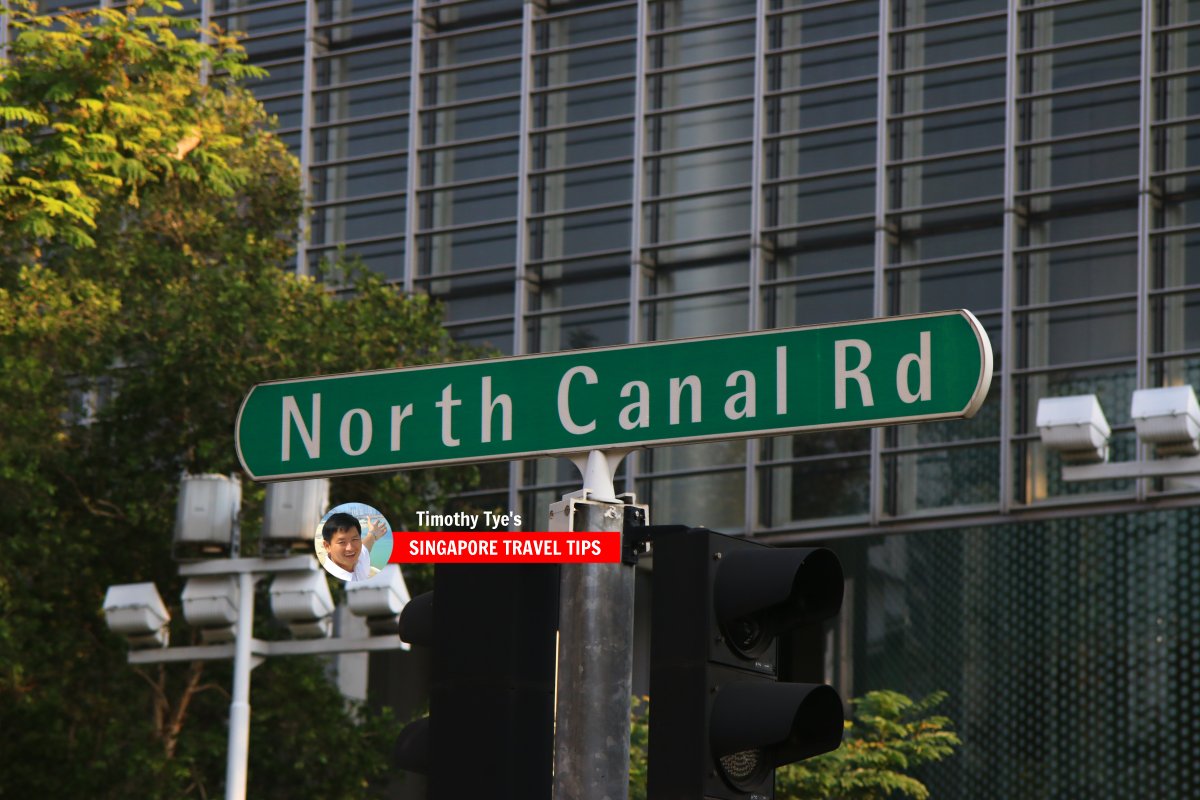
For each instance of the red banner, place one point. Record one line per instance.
(505, 547)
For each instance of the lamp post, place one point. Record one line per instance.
(219, 599)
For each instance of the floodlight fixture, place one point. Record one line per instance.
(291, 514)
(210, 603)
(1074, 427)
(303, 601)
(137, 612)
(380, 600)
(1168, 418)
(206, 517)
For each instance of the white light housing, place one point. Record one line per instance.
(136, 611)
(1075, 427)
(303, 601)
(211, 604)
(291, 514)
(380, 600)
(206, 516)
(1169, 419)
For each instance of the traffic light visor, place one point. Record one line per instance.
(758, 594)
(755, 727)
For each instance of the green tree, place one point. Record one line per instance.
(889, 736)
(145, 216)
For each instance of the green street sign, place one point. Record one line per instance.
(851, 374)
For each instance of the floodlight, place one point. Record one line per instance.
(380, 599)
(303, 601)
(1074, 427)
(1169, 419)
(206, 517)
(136, 611)
(291, 514)
(210, 603)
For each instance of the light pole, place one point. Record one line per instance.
(219, 598)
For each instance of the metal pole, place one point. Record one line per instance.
(239, 707)
(595, 668)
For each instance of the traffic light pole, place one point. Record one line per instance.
(595, 649)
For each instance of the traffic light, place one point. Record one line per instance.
(491, 631)
(720, 720)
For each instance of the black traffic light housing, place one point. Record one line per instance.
(491, 630)
(720, 721)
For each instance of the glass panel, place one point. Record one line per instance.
(833, 248)
(1176, 147)
(812, 490)
(1175, 322)
(695, 316)
(689, 47)
(578, 283)
(358, 178)
(948, 180)
(817, 301)
(975, 285)
(472, 122)
(1074, 273)
(359, 220)
(360, 138)
(472, 84)
(581, 145)
(1077, 333)
(579, 234)
(469, 162)
(472, 296)
(590, 27)
(696, 217)
(702, 85)
(470, 249)
(950, 86)
(960, 477)
(947, 132)
(824, 198)
(692, 269)
(677, 13)
(1078, 161)
(1080, 66)
(589, 63)
(820, 24)
(1081, 111)
(583, 103)
(592, 327)
(817, 108)
(824, 64)
(464, 48)
(698, 171)
(358, 66)
(717, 501)
(1075, 22)
(465, 205)
(939, 45)
(700, 127)
(818, 152)
(561, 191)
(915, 12)
(1175, 259)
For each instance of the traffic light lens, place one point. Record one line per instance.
(743, 769)
(745, 635)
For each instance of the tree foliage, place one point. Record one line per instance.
(145, 216)
(889, 736)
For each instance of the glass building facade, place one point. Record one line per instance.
(574, 174)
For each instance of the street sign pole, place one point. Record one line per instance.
(595, 650)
